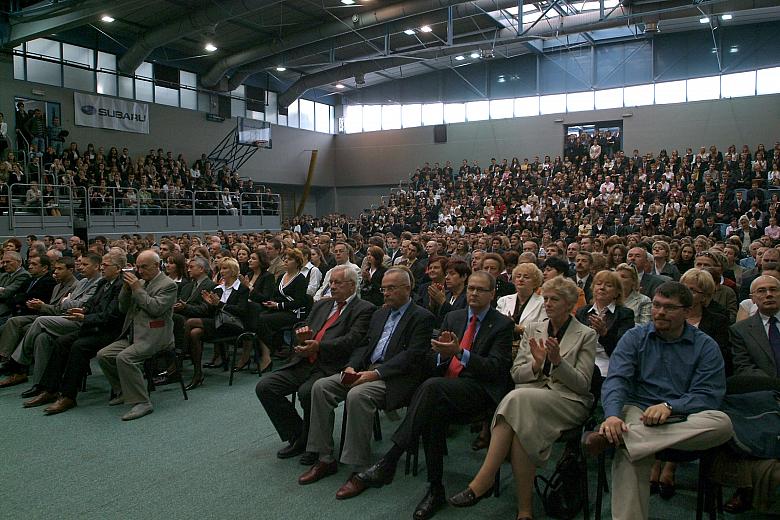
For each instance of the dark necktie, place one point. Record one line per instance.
(455, 366)
(774, 342)
(326, 326)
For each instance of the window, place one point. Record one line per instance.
(454, 112)
(638, 95)
(411, 115)
(332, 119)
(307, 114)
(43, 71)
(19, 63)
(527, 106)
(433, 114)
(502, 108)
(391, 117)
(768, 81)
(106, 81)
(477, 110)
(80, 76)
(738, 85)
(579, 101)
(292, 114)
(188, 93)
(610, 98)
(271, 109)
(237, 103)
(372, 118)
(143, 87)
(321, 118)
(554, 104)
(700, 89)
(126, 88)
(353, 118)
(670, 92)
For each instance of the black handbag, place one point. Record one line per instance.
(225, 319)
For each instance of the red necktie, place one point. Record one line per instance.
(455, 367)
(326, 326)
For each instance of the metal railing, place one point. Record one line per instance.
(29, 200)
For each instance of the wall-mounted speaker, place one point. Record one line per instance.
(440, 134)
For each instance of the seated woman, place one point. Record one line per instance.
(525, 306)
(288, 305)
(456, 273)
(230, 296)
(632, 298)
(552, 374)
(176, 269)
(260, 283)
(370, 288)
(607, 316)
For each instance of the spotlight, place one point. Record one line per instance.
(704, 20)
(281, 69)
(734, 49)
(409, 32)
(460, 57)
(210, 47)
(474, 55)
(726, 17)
(339, 86)
(347, 2)
(106, 18)
(426, 29)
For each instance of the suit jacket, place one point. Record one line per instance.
(194, 305)
(236, 305)
(750, 346)
(713, 320)
(370, 290)
(82, 291)
(277, 266)
(727, 298)
(101, 312)
(534, 309)
(149, 311)
(459, 303)
(405, 353)
(490, 353)
(587, 287)
(572, 377)
(650, 283)
(10, 284)
(36, 288)
(341, 338)
(264, 287)
(618, 324)
(61, 290)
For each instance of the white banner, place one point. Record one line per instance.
(112, 113)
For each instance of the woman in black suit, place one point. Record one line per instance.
(176, 269)
(288, 305)
(455, 275)
(261, 284)
(607, 316)
(230, 296)
(372, 277)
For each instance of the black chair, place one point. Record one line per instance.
(164, 358)
(239, 341)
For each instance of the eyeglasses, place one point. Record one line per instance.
(669, 307)
(766, 290)
(391, 288)
(472, 289)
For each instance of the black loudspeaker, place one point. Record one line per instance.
(440, 134)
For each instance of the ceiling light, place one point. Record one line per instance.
(474, 55)
(501, 79)
(210, 47)
(339, 85)
(347, 2)
(409, 32)
(107, 18)
(734, 49)
(726, 17)
(704, 20)
(460, 57)
(425, 28)
(281, 69)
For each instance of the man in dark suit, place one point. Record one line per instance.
(99, 321)
(434, 287)
(582, 277)
(472, 358)
(388, 367)
(12, 280)
(755, 356)
(648, 282)
(190, 303)
(333, 329)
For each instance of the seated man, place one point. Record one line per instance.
(147, 330)
(36, 341)
(472, 358)
(341, 324)
(97, 324)
(13, 278)
(663, 368)
(190, 303)
(388, 365)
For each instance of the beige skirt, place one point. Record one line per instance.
(538, 416)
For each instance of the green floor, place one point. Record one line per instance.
(212, 456)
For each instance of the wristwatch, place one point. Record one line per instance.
(667, 405)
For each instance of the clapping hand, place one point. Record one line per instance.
(210, 297)
(599, 324)
(447, 345)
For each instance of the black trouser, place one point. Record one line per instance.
(273, 389)
(438, 402)
(68, 366)
(745, 384)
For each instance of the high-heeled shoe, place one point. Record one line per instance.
(213, 364)
(195, 383)
(243, 366)
(268, 368)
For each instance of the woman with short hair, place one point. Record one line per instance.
(640, 304)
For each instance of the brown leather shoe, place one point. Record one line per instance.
(63, 404)
(40, 400)
(319, 471)
(595, 443)
(351, 488)
(13, 380)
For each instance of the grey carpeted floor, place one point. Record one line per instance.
(212, 456)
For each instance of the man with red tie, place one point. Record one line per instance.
(470, 362)
(335, 326)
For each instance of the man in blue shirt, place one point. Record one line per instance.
(667, 368)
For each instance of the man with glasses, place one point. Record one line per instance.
(147, 330)
(388, 369)
(469, 362)
(666, 382)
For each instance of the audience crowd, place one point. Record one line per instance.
(524, 296)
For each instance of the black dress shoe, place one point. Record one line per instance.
(308, 458)
(432, 502)
(293, 449)
(467, 497)
(655, 487)
(741, 501)
(377, 475)
(195, 383)
(666, 491)
(31, 392)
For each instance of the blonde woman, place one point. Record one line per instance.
(633, 299)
